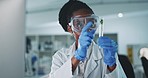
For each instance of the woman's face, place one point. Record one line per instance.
(82, 13)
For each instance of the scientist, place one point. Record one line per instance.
(84, 59)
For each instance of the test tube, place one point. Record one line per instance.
(101, 28)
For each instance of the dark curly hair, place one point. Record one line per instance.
(68, 9)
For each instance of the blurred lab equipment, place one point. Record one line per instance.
(28, 66)
(30, 60)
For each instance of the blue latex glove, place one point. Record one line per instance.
(85, 40)
(109, 49)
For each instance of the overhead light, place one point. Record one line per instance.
(120, 15)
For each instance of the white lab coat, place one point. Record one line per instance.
(95, 66)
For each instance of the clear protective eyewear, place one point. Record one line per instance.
(78, 22)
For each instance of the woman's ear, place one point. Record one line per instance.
(69, 29)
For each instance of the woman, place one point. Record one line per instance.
(84, 59)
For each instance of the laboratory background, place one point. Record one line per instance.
(30, 34)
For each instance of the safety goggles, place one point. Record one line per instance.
(78, 22)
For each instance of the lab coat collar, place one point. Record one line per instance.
(92, 63)
(93, 49)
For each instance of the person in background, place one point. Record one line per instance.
(126, 65)
(144, 59)
(84, 58)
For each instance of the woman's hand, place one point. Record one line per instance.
(85, 40)
(109, 49)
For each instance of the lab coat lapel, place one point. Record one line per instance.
(90, 67)
(92, 62)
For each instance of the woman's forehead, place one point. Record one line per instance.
(82, 12)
